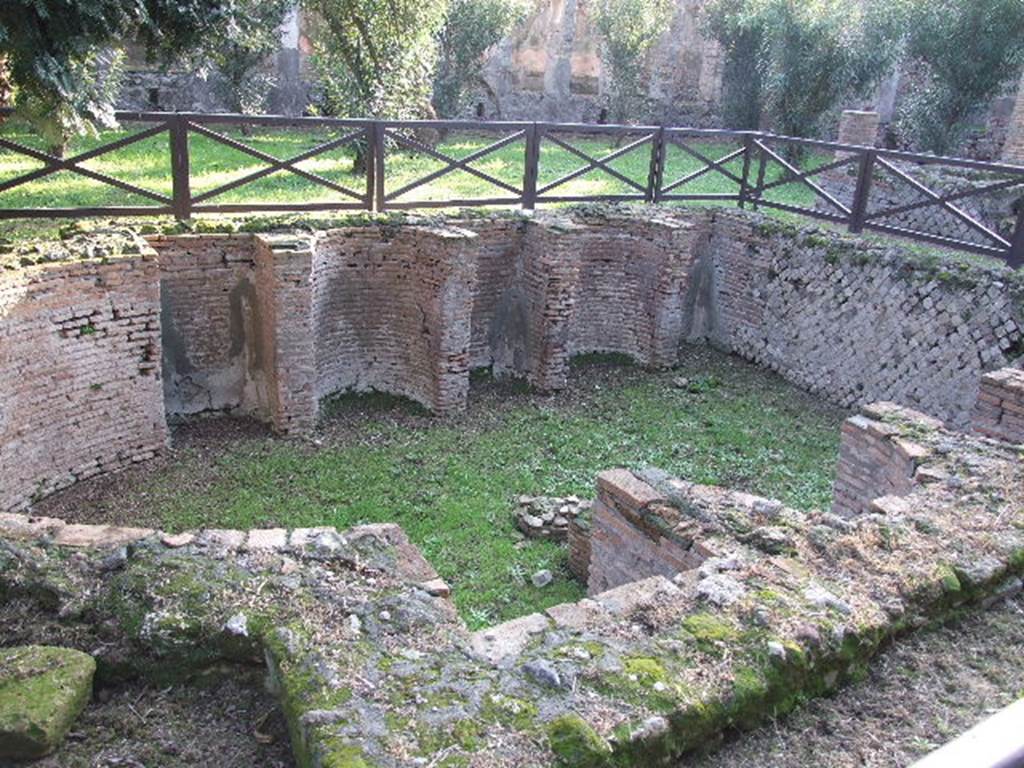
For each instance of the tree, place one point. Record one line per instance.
(803, 57)
(965, 51)
(628, 29)
(376, 58)
(471, 27)
(239, 50)
(56, 50)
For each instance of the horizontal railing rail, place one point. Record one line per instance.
(856, 187)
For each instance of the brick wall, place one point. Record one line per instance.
(391, 312)
(999, 413)
(629, 540)
(1013, 149)
(856, 322)
(876, 459)
(79, 373)
(214, 359)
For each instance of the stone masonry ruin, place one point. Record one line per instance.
(707, 609)
(99, 353)
(736, 607)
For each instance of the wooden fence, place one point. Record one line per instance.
(752, 166)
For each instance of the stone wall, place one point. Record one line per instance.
(854, 321)
(994, 210)
(553, 68)
(80, 391)
(1013, 149)
(999, 413)
(269, 325)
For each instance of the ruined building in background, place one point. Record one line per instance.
(551, 68)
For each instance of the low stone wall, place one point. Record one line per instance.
(80, 390)
(373, 667)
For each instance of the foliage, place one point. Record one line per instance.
(471, 27)
(56, 48)
(376, 58)
(965, 51)
(628, 29)
(6, 86)
(239, 49)
(803, 57)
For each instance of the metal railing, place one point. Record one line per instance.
(751, 166)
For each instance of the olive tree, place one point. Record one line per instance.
(376, 58)
(239, 50)
(964, 52)
(797, 60)
(628, 30)
(471, 27)
(62, 59)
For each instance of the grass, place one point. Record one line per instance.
(452, 485)
(146, 164)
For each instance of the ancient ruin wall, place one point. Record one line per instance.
(80, 390)
(214, 359)
(391, 312)
(856, 322)
(999, 413)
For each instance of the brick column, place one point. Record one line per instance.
(283, 277)
(1013, 150)
(876, 459)
(999, 413)
(858, 128)
(630, 539)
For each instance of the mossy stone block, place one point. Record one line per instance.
(576, 744)
(42, 692)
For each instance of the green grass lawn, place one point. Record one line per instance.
(146, 164)
(451, 484)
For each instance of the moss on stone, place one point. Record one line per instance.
(42, 691)
(709, 630)
(576, 744)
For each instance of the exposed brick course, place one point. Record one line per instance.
(999, 413)
(80, 391)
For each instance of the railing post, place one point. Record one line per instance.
(656, 175)
(1015, 256)
(863, 191)
(371, 166)
(531, 171)
(182, 193)
(748, 150)
(380, 147)
(762, 169)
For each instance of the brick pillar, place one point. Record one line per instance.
(1013, 150)
(629, 538)
(999, 413)
(284, 267)
(876, 459)
(858, 128)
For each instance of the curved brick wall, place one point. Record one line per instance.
(391, 312)
(269, 325)
(80, 389)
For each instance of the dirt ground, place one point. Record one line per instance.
(922, 692)
(223, 722)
